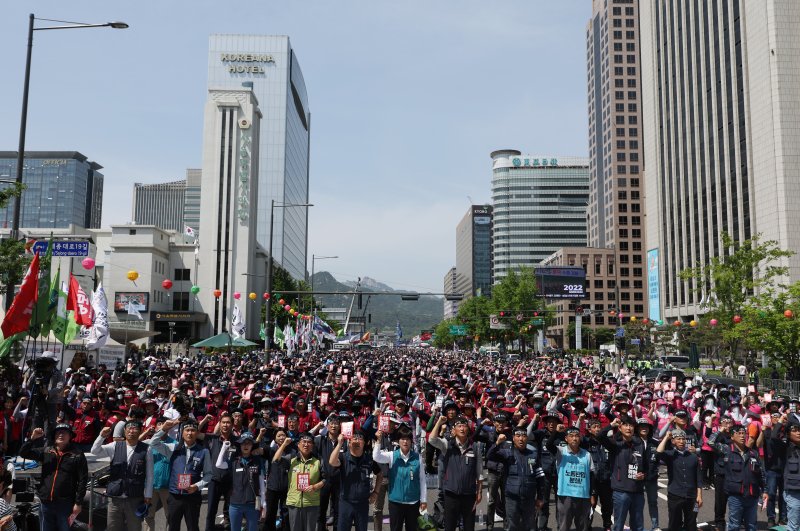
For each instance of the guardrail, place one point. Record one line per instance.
(784, 387)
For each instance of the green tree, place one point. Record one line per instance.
(13, 260)
(771, 325)
(474, 312)
(517, 294)
(443, 338)
(727, 284)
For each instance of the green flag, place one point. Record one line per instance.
(44, 310)
(262, 333)
(277, 337)
(63, 324)
(340, 333)
(6, 344)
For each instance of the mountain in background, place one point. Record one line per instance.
(386, 310)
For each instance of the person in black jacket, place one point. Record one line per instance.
(685, 480)
(246, 487)
(774, 463)
(278, 480)
(628, 472)
(488, 435)
(65, 475)
(601, 478)
(351, 468)
(645, 432)
(720, 496)
(522, 478)
(220, 485)
(784, 445)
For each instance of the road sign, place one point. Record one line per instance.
(537, 322)
(458, 330)
(62, 248)
(495, 324)
(520, 317)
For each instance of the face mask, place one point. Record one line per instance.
(662, 409)
(709, 403)
(735, 409)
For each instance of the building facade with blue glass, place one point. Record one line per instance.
(63, 188)
(539, 206)
(270, 64)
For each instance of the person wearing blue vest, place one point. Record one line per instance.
(408, 491)
(160, 482)
(247, 487)
(462, 483)
(574, 467)
(131, 476)
(190, 471)
(522, 479)
(745, 479)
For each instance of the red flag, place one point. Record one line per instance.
(79, 303)
(18, 318)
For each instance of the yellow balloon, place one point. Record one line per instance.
(633, 318)
(133, 275)
(692, 323)
(252, 296)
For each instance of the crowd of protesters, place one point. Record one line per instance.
(326, 439)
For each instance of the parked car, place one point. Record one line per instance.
(679, 362)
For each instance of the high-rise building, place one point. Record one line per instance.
(450, 281)
(474, 252)
(271, 65)
(539, 205)
(173, 206)
(721, 136)
(616, 186)
(191, 199)
(63, 188)
(230, 260)
(159, 204)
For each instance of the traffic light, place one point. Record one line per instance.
(579, 310)
(536, 314)
(502, 314)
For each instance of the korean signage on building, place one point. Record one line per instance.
(653, 287)
(62, 248)
(529, 162)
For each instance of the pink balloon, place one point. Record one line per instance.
(87, 263)
(713, 322)
(237, 295)
(287, 307)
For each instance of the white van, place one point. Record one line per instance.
(679, 362)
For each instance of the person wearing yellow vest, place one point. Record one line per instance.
(306, 479)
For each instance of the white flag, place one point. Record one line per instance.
(98, 335)
(133, 310)
(237, 323)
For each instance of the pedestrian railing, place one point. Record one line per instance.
(784, 387)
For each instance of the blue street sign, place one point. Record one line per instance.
(620, 332)
(62, 248)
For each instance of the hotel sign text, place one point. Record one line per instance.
(253, 62)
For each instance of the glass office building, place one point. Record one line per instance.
(270, 64)
(539, 206)
(474, 252)
(63, 188)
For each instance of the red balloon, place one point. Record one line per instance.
(677, 323)
(645, 320)
(266, 296)
(737, 319)
(217, 293)
(167, 284)
(788, 314)
(281, 302)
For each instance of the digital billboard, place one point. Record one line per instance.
(139, 300)
(653, 286)
(567, 282)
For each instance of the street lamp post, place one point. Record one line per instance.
(23, 123)
(268, 317)
(314, 258)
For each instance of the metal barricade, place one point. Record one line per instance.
(784, 387)
(97, 500)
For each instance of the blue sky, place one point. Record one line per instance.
(408, 98)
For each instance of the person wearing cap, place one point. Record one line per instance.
(306, 480)
(628, 472)
(219, 488)
(190, 471)
(774, 448)
(488, 432)
(539, 438)
(351, 468)
(783, 448)
(522, 476)
(385, 443)
(745, 480)
(644, 429)
(131, 476)
(574, 468)
(601, 478)
(407, 488)
(246, 489)
(461, 468)
(278, 478)
(684, 483)
(324, 445)
(86, 425)
(64, 476)
(720, 496)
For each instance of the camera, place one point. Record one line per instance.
(42, 371)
